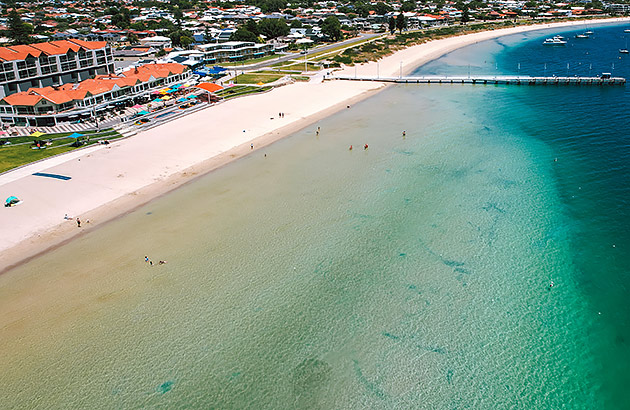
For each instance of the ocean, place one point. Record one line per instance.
(415, 273)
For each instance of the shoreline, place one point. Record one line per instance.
(133, 172)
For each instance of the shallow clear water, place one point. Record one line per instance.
(413, 274)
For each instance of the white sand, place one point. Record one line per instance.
(107, 182)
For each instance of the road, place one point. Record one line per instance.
(293, 56)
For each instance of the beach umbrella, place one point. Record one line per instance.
(11, 200)
(157, 100)
(166, 98)
(37, 134)
(75, 135)
(3, 132)
(182, 99)
(137, 106)
(143, 112)
(260, 83)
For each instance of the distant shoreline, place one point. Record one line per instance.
(108, 183)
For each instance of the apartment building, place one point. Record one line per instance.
(234, 51)
(47, 106)
(54, 63)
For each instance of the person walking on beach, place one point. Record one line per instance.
(365, 146)
(251, 146)
(78, 222)
(146, 258)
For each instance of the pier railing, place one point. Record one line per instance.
(488, 79)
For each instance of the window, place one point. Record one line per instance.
(70, 65)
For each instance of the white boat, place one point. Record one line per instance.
(554, 41)
(588, 32)
(582, 36)
(624, 51)
(627, 30)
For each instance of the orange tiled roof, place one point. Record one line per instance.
(97, 85)
(22, 98)
(20, 52)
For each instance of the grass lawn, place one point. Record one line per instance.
(20, 152)
(300, 67)
(255, 78)
(247, 62)
(240, 90)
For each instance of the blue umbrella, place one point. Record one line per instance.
(11, 200)
(143, 112)
(182, 99)
(157, 100)
(75, 135)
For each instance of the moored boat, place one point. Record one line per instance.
(555, 41)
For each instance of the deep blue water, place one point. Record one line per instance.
(586, 129)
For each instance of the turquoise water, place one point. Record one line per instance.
(413, 274)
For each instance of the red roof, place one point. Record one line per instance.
(20, 52)
(210, 87)
(94, 86)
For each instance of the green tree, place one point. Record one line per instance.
(408, 6)
(178, 37)
(270, 6)
(272, 28)
(178, 15)
(401, 22)
(122, 19)
(362, 9)
(137, 26)
(132, 38)
(392, 25)
(381, 8)
(331, 27)
(296, 24)
(465, 15)
(186, 40)
(243, 34)
(252, 26)
(18, 31)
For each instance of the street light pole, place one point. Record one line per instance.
(400, 70)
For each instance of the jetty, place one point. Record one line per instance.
(488, 80)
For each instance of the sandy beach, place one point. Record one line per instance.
(107, 182)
